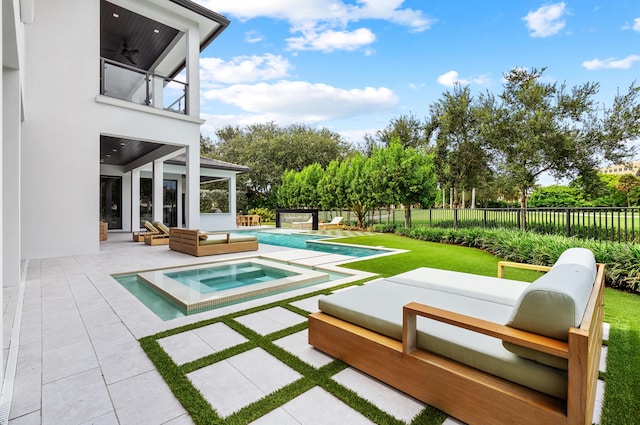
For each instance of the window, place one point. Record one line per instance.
(214, 196)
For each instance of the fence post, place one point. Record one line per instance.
(455, 219)
(430, 221)
(484, 218)
(568, 211)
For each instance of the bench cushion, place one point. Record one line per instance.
(378, 306)
(501, 291)
(555, 302)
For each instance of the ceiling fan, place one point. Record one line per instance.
(128, 53)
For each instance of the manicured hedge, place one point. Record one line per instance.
(622, 260)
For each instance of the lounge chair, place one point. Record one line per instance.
(160, 238)
(151, 230)
(194, 242)
(336, 223)
(494, 350)
(303, 224)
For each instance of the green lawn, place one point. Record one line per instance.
(622, 311)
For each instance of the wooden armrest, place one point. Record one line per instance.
(503, 264)
(526, 339)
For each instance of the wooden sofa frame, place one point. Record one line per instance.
(188, 241)
(468, 394)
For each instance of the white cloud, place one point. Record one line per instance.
(450, 79)
(300, 101)
(330, 40)
(636, 24)
(253, 37)
(546, 20)
(323, 24)
(243, 69)
(611, 63)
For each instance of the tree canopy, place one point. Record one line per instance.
(535, 126)
(268, 150)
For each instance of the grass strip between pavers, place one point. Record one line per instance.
(203, 413)
(622, 378)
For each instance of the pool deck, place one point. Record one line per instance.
(79, 360)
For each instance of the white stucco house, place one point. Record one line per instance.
(101, 116)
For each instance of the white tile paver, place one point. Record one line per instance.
(318, 407)
(76, 399)
(185, 347)
(309, 304)
(219, 336)
(236, 382)
(298, 345)
(225, 387)
(271, 320)
(276, 417)
(30, 419)
(144, 399)
(388, 399)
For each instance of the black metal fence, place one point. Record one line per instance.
(607, 224)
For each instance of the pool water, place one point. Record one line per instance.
(204, 282)
(228, 276)
(309, 242)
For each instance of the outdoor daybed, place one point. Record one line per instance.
(484, 350)
(194, 242)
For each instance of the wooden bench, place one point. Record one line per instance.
(471, 395)
(194, 242)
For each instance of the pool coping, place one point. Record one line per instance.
(192, 301)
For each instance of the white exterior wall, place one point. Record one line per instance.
(65, 118)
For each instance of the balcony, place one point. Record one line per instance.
(136, 85)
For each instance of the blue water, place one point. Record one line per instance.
(304, 241)
(228, 276)
(167, 310)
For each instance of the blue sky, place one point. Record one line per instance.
(352, 66)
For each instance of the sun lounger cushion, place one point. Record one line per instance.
(501, 291)
(378, 306)
(214, 239)
(161, 226)
(555, 302)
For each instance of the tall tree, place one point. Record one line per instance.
(268, 150)
(402, 176)
(408, 130)
(535, 127)
(460, 158)
(626, 184)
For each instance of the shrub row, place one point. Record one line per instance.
(622, 260)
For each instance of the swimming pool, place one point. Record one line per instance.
(180, 291)
(310, 242)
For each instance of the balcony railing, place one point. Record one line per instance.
(144, 88)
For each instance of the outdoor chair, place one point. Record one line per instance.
(336, 223)
(160, 238)
(151, 230)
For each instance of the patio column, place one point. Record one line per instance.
(193, 187)
(232, 195)
(193, 72)
(158, 195)
(10, 156)
(135, 200)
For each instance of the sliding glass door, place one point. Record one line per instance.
(170, 201)
(111, 201)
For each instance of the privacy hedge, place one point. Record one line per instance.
(622, 259)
